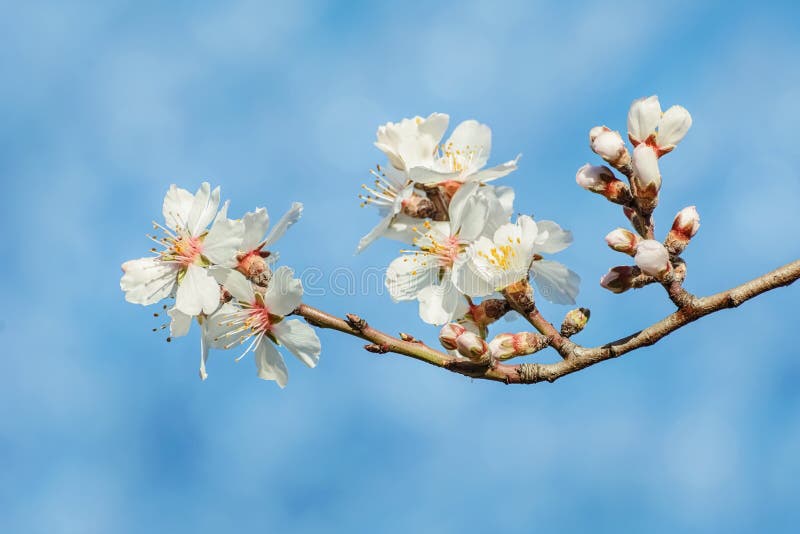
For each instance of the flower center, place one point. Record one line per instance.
(258, 319)
(500, 256)
(183, 249)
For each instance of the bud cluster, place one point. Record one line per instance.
(652, 133)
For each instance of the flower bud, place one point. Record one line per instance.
(507, 346)
(449, 334)
(684, 227)
(472, 346)
(600, 179)
(619, 279)
(646, 179)
(609, 145)
(574, 321)
(652, 258)
(623, 240)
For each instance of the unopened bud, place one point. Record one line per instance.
(474, 347)
(653, 258)
(601, 180)
(684, 227)
(254, 267)
(609, 145)
(646, 179)
(619, 279)
(623, 240)
(487, 312)
(507, 346)
(418, 207)
(574, 321)
(449, 334)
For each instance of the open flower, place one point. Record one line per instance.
(426, 274)
(407, 144)
(181, 268)
(260, 320)
(463, 157)
(512, 254)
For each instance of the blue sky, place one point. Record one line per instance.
(106, 428)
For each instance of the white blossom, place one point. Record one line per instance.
(426, 274)
(260, 319)
(513, 254)
(463, 157)
(181, 268)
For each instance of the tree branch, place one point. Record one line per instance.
(575, 357)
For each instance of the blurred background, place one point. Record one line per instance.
(107, 428)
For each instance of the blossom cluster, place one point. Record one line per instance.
(221, 273)
(439, 197)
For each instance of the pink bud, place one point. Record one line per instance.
(619, 279)
(684, 227)
(506, 346)
(609, 145)
(449, 334)
(687, 222)
(652, 258)
(623, 240)
(472, 346)
(600, 179)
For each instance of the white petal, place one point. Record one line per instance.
(493, 173)
(500, 203)
(426, 175)
(223, 241)
(284, 292)
(176, 207)
(462, 205)
(643, 118)
(441, 303)
(237, 285)
(204, 345)
(555, 282)
(197, 292)
(289, 218)
(673, 126)
(204, 209)
(270, 364)
(180, 323)
(435, 125)
(557, 238)
(471, 278)
(299, 339)
(375, 233)
(147, 280)
(473, 139)
(255, 228)
(406, 276)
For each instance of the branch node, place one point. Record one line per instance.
(355, 322)
(377, 349)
